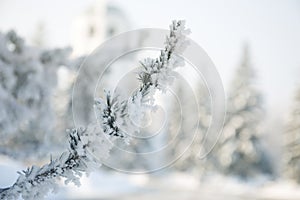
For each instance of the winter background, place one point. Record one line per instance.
(255, 46)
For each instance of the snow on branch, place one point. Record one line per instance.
(88, 146)
(155, 74)
(36, 182)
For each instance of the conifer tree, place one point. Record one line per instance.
(28, 81)
(241, 151)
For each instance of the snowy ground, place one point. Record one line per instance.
(179, 186)
(104, 185)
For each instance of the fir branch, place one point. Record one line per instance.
(36, 182)
(88, 146)
(155, 74)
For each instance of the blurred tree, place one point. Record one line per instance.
(241, 151)
(292, 143)
(28, 80)
(189, 121)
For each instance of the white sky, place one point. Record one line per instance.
(271, 27)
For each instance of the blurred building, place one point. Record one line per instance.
(100, 21)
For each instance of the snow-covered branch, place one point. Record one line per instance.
(86, 146)
(89, 146)
(155, 74)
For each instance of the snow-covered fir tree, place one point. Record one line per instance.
(28, 79)
(241, 151)
(292, 142)
(90, 145)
